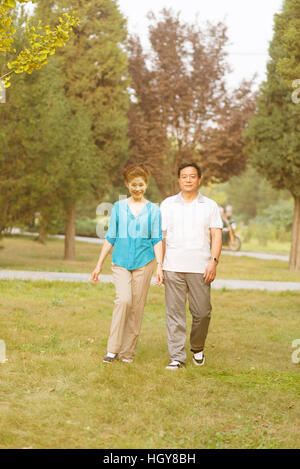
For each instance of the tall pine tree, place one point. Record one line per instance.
(47, 153)
(95, 68)
(273, 136)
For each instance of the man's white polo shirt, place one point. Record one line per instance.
(187, 226)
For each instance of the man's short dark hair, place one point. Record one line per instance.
(191, 163)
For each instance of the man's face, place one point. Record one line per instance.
(137, 187)
(189, 180)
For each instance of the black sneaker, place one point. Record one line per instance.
(199, 359)
(108, 359)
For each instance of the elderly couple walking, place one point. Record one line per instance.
(184, 236)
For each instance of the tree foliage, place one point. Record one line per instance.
(95, 67)
(181, 108)
(39, 42)
(47, 152)
(65, 131)
(273, 136)
(287, 32)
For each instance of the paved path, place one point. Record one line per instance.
(258, 255)
(217, 284)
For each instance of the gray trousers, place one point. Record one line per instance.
(178, 287)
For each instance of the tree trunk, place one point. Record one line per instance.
(295, 248)
(3, 220)
(70, 233)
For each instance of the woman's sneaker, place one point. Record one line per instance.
(110, 357)
(126, 360)
(174, 365)
(199, 359)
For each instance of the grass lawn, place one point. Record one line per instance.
(23, 253)
(271, 246)
(56, 393)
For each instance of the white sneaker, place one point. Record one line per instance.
(199, 359)
(174, 365)
(126, 360)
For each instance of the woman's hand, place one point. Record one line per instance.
(159, 275)
(94, 276)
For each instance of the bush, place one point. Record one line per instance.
(274, 224)
(86, 228)
(280, 215)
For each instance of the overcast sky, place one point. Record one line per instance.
(249, 22)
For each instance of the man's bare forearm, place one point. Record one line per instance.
(164, 246)
(216, 242)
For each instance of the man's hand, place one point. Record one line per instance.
(210, 272)
(159, 275)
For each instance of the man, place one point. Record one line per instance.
(192, 231)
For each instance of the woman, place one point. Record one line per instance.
(135, 232)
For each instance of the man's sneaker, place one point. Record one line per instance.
(174, 365)
(199, 359)
(110, 357)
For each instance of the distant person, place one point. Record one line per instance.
(192, 231)
(228, 212)
(223, 216)
(135, 233)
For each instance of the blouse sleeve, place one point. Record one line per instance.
(156, 234)
(112, 231)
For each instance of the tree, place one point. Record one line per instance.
(181, 109)
(39, 42)
(47, 152)
(272, 139)
(95, 70)
(95, 67)
(250, 194)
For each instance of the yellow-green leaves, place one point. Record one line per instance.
(42, 40)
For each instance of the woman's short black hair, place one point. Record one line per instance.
(191, 163)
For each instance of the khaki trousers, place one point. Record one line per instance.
(131, 293)
(179, 286)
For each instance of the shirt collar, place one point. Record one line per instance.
(180, 199)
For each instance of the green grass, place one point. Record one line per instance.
(22, 253)
(56, 393)
(272, 247)
(247, 268)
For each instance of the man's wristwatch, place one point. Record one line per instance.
(214, 259)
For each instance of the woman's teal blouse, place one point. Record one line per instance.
(133, 237)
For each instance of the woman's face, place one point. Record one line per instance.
(137, 187)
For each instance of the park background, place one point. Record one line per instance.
(80, 106)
